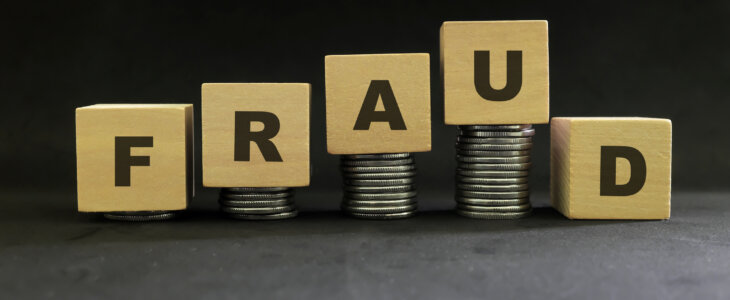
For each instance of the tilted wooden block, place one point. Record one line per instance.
(378, 103)
(495, 72)
(256, 134)
(134, 157)
(611, 168)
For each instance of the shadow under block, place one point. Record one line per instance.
(134, 157)
(378, 103)
(256, 134)
(495, 72)
(611, 168)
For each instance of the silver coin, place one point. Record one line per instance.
(494, 215)
(377, 156)
(255, 196)
(492, 202)
(493, 160)
(379, 209)
(491, 174)
(493, 195)
(493, 188)
(388, 169)
(502, 209)
(495, 167)
(378, 189)
(474, 140)
(476, 133)
(396, 202)
(379, 182)
(507, 153)
(481, 180)
(254, 189)
(495, 127)
(255, 203)
(257, 210)
(277, 216)
(494, 147)
(388, 216)
(377, 163)
(380, 196)
(140, 216)
(388, 175)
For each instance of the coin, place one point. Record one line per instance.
(257, 210)
(476, 133)
(494, 147)
(494, 167)
(255, 203)
(481, 180)
(507, 208)
(492, 202)
(140, 216)
(493, 160)
(388, 216)
(254, 189)
(379, 182)
(495, 127)
(380, 196)
(493, 188)
(378, 189)
(276, 216)
(379, 175)
(379, 209)
(492, 195)
(491, 173)
(377, 163)
(494, 215)
(396, 202)
(377, 156)
(388, 169)
(255, 196)
(508, 153)
(474, 140)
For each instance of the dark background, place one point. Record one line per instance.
(667, 59)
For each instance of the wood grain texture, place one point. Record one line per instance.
(576, 162)
(290, 102)
(347, 80)
(166, 184)
(462, 103)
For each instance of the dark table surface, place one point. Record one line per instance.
(50, 251)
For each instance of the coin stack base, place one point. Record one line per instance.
(493, 163)
(258, 203)
(379, 186)
(141, 216)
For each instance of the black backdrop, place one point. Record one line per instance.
(665, 60)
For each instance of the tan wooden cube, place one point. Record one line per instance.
(256, 134)
(611, 168)
(134, 157)
(378, 103)
(495, 72)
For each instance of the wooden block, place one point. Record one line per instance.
(378, 103)
(134, 157)
(495, 72)
(611, 168)
(256, 134)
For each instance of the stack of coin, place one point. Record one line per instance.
(141, 216)
(493, 163)
(379, 186)
(258, 203)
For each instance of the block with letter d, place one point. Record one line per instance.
(378, 103)
(611, 168)
(134, 157)
(256, 134)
